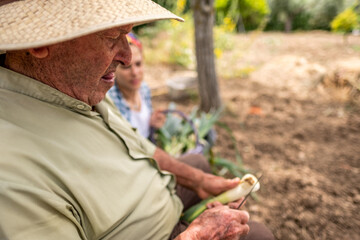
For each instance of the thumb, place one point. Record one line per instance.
(233, 182)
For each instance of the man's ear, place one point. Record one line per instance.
(41, 52)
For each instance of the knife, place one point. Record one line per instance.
(247, 195)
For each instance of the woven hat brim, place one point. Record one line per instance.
(35, 23)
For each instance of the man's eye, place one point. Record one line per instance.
(112, 39)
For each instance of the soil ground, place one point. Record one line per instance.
(303, 136)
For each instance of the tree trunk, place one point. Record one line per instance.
(288, 24)
(208, 85)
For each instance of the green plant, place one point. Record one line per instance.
(178, 137)
(241, 14)
(175, 42)
(346, 21)
(222, 166)
(170, 42)
(323, 12)
(223, 41)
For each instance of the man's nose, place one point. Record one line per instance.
(123, 55)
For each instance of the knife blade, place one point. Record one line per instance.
(247, 195)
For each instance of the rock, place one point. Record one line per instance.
(290, 225)
(179, 86)
(292, 73)
(307, 219)
(356, 199)
(345, 73)
(345, 78)
(288, 234)
(311, 201)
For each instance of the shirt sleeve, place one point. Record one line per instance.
(148, 146)
(34, 214)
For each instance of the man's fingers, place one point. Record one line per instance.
(244, 217)
(219, 218)
(233, 205)
(233, 182)
(245, 229)
(213, 204)
(236, 204)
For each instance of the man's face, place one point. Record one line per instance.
(129, 78)
(84, 68)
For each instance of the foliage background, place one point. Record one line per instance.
(242, 16)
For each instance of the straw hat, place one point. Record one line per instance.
(34, 23)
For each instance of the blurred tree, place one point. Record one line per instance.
(347, 21)
(304, 14)
(203, 14)
(245, 14)
(208, 85)
(323, 12)
(168, 4)
(284, 12)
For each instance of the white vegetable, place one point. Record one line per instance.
(245, 186)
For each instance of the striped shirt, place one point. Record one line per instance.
(121, 103)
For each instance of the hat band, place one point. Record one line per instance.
(4, 2)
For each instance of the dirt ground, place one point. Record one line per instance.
(303, 135)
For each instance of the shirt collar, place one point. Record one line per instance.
(21, 84)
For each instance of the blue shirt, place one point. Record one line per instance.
(121, 103)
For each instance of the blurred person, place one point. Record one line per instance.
(132, 95)
(71, 166)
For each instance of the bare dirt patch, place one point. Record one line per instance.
(288, 126)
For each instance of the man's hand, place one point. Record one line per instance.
(212, 185)
(203, 184)
(219, 222)
(233, 205)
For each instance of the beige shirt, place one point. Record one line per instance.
(67, 172)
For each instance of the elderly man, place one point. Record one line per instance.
(71, 167)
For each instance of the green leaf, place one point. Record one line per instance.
(233, 139)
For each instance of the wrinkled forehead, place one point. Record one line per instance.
(116, 31)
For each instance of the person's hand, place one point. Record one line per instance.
(157, 119)
(211, 185)
(216, 223)
(233, 205)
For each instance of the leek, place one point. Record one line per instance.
(245, 186)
